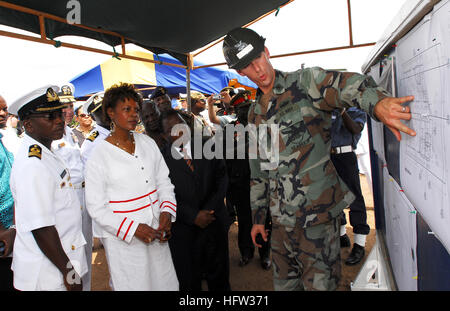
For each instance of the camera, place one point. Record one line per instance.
(217, 96)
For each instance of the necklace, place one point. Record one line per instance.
(122, 145)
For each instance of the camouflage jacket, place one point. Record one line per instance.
(303, 189)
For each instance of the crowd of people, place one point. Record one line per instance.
(120, 168)
(129, 188)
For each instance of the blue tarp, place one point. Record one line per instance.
(206, 80)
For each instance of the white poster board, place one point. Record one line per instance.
(401, 237)
(423, 70)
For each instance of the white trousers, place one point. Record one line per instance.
(87, 232)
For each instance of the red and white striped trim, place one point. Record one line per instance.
(134, 199)
(173, 207)
(128, 230)
(118, 231)
(122, 227)
(133, 210)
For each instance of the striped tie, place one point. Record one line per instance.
(187, 159)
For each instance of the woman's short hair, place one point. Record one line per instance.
(116, 93)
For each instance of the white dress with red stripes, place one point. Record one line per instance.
(122, 191)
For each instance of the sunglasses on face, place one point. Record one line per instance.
(48, 115)
(83, 115)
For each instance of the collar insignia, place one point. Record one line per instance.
(35, 151)
(93, 136)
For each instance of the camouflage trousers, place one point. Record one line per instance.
(306, 259)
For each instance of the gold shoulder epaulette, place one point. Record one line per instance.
(93, 136)
(35, 151)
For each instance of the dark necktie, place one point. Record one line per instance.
(187, 159)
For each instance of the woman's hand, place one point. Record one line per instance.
(165, 225)
(146, 234)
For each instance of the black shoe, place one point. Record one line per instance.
(244, 261)
(356, 255)
(266, 264)
(345, 241)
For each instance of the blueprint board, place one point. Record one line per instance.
(401, 237)
(423, 70)
(419, 45)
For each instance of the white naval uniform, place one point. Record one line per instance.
(88, 145)
(122, 191)
(10, 139)
(44, 196)
(67, 148)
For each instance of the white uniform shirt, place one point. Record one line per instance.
(123, 190)
(44, 196)
(97, 134)
(67, 148)
(10, 139)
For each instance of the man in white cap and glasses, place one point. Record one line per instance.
(49, 250)
(93, 107)
(67, 148)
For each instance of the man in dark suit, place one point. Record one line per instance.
(199, 241)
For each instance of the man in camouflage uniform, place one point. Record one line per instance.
(302, 189)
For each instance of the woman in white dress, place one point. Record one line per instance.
(131, 199)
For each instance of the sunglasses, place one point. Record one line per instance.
(83, 115)
(48, 115)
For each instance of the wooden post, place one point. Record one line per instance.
(122, 42)
(42, 27)
(190, 64)
(350, 32)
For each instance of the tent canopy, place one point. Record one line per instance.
(171, 26)
(206, 80)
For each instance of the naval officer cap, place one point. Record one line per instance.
(42, 100)
(66, 94)
(94, 102)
